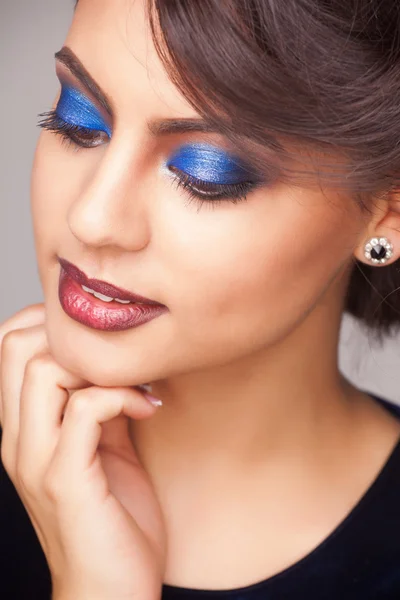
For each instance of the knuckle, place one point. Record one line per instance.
(12, 341)
(39, 365)
(80, 402)
(30, 315)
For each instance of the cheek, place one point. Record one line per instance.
(56, 181)
(251, 276)
(50, 187)
(43, 195)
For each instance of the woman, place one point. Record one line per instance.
(265, 473)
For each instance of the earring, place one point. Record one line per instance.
(378, 250)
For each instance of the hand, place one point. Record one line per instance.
(74, 467)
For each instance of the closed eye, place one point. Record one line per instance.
(83, 137)
(195, 188)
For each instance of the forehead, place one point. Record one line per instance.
(112, 39)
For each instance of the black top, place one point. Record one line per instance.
(360, 559)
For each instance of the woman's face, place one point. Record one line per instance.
(235, 277)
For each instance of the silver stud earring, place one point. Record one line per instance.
(378, 250)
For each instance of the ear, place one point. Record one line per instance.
(384, 223)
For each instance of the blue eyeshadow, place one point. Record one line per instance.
(211, 164)
(76, 109)
(199, 160)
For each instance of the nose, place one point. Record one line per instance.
(109, 209)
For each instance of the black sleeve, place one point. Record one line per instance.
(24, 573)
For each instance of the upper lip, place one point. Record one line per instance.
(102, 286)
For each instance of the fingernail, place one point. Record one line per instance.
(152, 399)
(146, 388)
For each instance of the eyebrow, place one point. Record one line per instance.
(156, 127)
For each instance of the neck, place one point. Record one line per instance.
(289, 397)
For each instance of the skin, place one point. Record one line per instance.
(260, 436)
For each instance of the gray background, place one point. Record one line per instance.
(30, 32)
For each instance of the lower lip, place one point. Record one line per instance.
(92, 312)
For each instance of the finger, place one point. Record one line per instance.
(27, 317)
(44, 395)
(18, 346)
(115, 433)
(81, 428)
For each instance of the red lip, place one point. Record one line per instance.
(102, 286)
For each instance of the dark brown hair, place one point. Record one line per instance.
(281, 78)
(295, 82)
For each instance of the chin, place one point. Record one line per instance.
(108, 368)
(120, 359)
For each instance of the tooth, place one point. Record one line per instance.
(103, 297)
(87, 289)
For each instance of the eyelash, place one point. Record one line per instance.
(197, 190)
